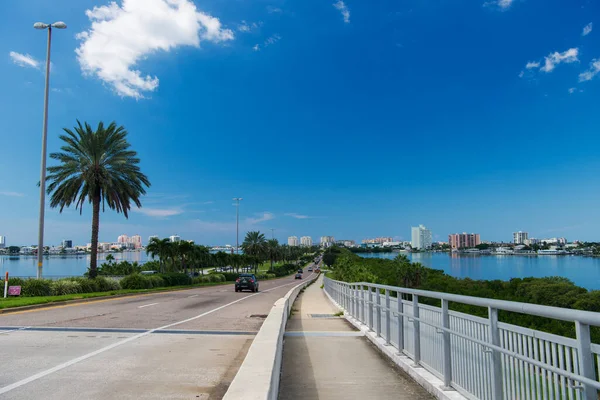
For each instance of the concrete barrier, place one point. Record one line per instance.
(258, 377)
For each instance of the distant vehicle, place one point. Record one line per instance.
(148, 272)
(309, 269)
(246, 282)
(298, 276)
(318, 270)
(300, 271)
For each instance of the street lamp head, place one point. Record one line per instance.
(40, 25)
(59, 25)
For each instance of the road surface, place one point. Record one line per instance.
(176, 345)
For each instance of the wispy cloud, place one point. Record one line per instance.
(268, 42)
(553, 59)
(500, 4)
(248, 27)
(121, 36)
(343, 8)
(260, 217)
(297, 216)
(158, 212)
(12, 194)
(587, 29)
(532, 64)
(591, 72)
(256, 47)
(24, 60)
(572, 90)
(274, 10)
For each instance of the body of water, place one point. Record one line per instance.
(57, 266)
(583, 271)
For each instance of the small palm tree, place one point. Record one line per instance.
(255, 245)
(184, 250)
(273, 251)
(97, 167)
(159, 248)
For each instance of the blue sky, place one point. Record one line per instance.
(353, 119)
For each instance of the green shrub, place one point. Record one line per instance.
(230, 276)
(65, 286)
(36, 287)
(136, 281)
(157, 281)
(271, 276)
(175, 279)
(106, 284)
(86, 285)
(16, 282)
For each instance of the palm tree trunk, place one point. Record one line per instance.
(95, 228)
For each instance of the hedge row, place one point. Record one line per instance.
(48, 287)
(137, 281)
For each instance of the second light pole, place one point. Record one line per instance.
(237, 224)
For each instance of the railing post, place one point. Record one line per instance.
(362, 305)
(586, 362)
(387, 317)
(447, 347)
(416, 330)
(400, 308)
(378, 313)
(370, 308)
(497, 373)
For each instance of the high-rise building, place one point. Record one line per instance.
(293, 241)
(2, 242)
(67, 244)
(463, 240)
(175, 239)
(136, 240)
(421, 237)
(306, 241)
(327, 240)
(520, 237)
(123, 239)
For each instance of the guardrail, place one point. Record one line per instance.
(481, 358)
(258, 376)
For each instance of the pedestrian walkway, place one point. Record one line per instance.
(326, 358)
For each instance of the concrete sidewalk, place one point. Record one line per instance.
(324, 357)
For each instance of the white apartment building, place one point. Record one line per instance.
(421, 237)
(520, 237)
(306, 241)
(2, 242)
(175, 239)
(293, 241)
(327, 241)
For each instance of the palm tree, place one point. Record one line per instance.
(255, 245)
(97, 167)
(159, 248)
(272, 251)
(199, 257)
(184, 250)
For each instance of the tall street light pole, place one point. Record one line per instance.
(272, 233)
(237, 224)
(40, 250)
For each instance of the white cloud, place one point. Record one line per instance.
(343, 8)
(274, 10)
(158, 212)
(272, 40)
(572, 90)
(256, 47)
(12, 194)
(261, 217)
(297, 216)
(501, 4)
(532, 64)
(121, 36)
(521, 74)
(587, 29)
(552, 60)
(248, 27)
(590, 73)
(24, 60)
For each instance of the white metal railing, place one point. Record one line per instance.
(481, 358)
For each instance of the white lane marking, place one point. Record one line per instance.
(59, 367)
(194, 295)
(148, 305)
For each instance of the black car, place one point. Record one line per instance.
(298, 276)
(300, 271)
(246, 282)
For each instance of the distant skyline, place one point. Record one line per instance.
(328, 118)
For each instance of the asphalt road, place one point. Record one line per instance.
(176, 345)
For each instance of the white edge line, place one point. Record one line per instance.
(59, 367)
(194, 295)
(148, 305)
